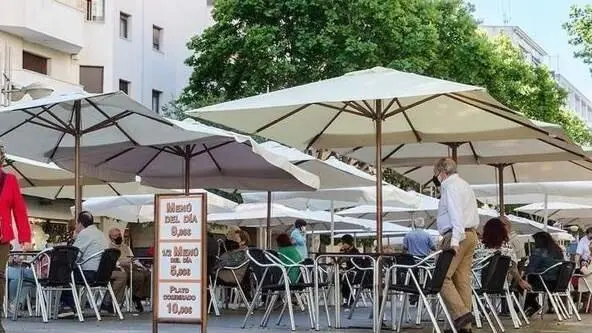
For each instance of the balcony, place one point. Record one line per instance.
(57, 24)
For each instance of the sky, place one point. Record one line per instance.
(541, 20)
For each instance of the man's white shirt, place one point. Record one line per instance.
(457, 209)
(583, 249)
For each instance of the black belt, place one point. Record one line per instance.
(450, 230)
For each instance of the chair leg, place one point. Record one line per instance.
(252, 306)
(43, 303)
(290, 307)
(494, 312)
(485, 313)
(76, 301)
(114, 301)
(268, 310)
(573, 306)
(476, 312)
(446, 312)
(326, 308)
(520, 308)
(402, 314)
(513, 314)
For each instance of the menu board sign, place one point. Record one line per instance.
(179, 262)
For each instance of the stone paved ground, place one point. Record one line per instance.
(231, 322)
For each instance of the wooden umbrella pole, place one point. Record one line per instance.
(268, 224)
(500, 175)
(187, 170)
(378, 123)
(77, 171)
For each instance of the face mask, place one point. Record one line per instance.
(303, 229)
(118, 240)
(436, 181)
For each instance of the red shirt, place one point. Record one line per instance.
(12, 204)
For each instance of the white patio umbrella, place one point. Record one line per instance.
(372, 108)
(140, 208)
(564, 212)
(104, 189)
(215, 158)
(520, 225)
(255, 215)
(39, 129)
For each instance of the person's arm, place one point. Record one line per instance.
(431, 244)
(298, 238)
(405, 244)
(454, 213)
(19, 211)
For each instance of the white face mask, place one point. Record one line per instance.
(303, 229)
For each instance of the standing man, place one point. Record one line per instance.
(457, 219)
(298, 237)
(583, 250)
(418, 242)
(12, 204)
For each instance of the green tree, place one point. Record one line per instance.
(261, 45)
(579, 28)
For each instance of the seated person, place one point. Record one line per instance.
(89, 240)
(347, 246)
(495, 237)
(546, 253)
(235, 258)
(120, 277)
(13, 272)
(418, 242)
(289, 254)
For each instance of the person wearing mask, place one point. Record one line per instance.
(289, 255)
(121, 275)
(546, 253)
(418, 242)
(495, 239)
(89, 240)
(298, 237)
(235, 258)
(12, 205)
(583, 249)
(457, 220)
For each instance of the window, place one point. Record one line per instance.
(156, 37)
(34, 63)
(91, 78)
(156, 100)
(124, 25)
(124, 86)
(95, 10)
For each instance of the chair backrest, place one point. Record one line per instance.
(265, 275)
(107, 265)
(494, 275)
(62, 261)
(402, 274)
(440, 270)
(564, 275)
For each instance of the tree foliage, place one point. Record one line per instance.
(579, 28)
(260, 45)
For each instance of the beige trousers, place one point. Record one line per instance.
(456, 290)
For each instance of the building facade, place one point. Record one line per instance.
(138, 46)
(576, 101)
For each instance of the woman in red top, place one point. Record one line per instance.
(12, 204)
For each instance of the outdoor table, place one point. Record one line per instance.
(375, 260)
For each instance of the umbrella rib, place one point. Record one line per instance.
(514, 173)
(359, 107)
(415, 132)
(11, 164)
(21, 123)
(412, 105)
(46, 121)
(368, 106)
(411, 170)
(58, 192)
(354, 112)
(113, 189)
(55, 148)
(389, 105)
(112, 157)
(48, 110)
(108, 122)
(212, 157)
(393, 152)
(582, 166)
(114, 123)
(287, 115)
(474, 151)
(316, 137)
(51, 127)
(150, 161)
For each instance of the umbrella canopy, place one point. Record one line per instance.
(332, 173)
(372, 108)
(558, 210)
(214, 159)
(140, 208)
(520, 225)
(255, 215)
(104, 189)
(39, 129)
(524, 193)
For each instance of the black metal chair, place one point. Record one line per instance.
(435, 276)
(215, 283)
(101, 282)
(561, 289)
(61, 264)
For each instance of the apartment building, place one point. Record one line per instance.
(533, 52)
(137, 46)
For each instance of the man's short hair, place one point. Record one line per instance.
(589, 230)
(446, 165)
(86, 219)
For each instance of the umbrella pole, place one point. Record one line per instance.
(77, 173)
(546, 211)
(500, 173)
(332, 223)
(187, 170)
(268, 227)
(378, 123)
